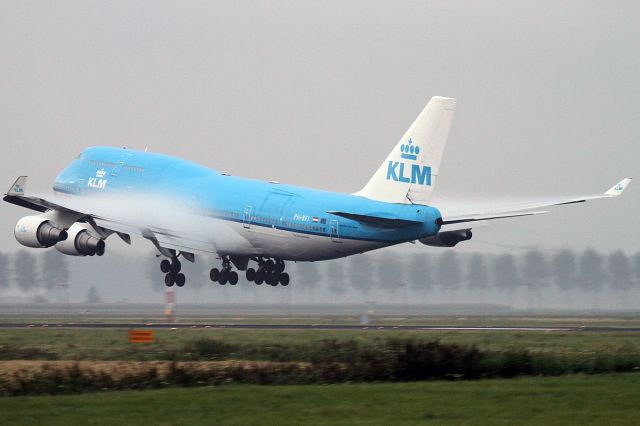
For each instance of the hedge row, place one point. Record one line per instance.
(330, 362)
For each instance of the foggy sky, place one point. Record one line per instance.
(317, 94)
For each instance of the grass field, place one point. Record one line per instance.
(585, 400)
(435, 320)
(111, 344)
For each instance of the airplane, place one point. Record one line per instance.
(253, 226)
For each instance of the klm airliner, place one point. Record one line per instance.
(253, 226)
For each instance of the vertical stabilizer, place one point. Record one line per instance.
(410, 172)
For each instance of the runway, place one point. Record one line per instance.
(571, 329)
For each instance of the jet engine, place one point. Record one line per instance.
(38, 232)
(81, 242)
(447, 238)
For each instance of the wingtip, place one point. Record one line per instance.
(618, 188)
(18, 187)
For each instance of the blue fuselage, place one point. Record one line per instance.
(277, 220)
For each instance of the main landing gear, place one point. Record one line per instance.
(269, 271)
(225, 275)
(172, 269)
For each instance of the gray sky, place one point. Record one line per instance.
(318, 93)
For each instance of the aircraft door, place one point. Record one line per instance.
(246, 217)
(335, 231)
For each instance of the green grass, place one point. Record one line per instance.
(630, 320)
(604, 399)
(111, 344)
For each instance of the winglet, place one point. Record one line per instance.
(18, 187)
(618, 188)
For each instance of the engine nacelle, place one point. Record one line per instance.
(447, 238)
(38, 232)
(81, 242)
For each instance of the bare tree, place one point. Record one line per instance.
(336, 276)
(505, 275)
(478, 275)
(448, 273)
(360, 274)
(620, 273)
(5, 277)
(55, 271)
(308, 275)
(419, 276)
(591, 275)
(154, 275)
(391, 276)
(535, 275)
(25, 268)
(563, 270)
(93, 296)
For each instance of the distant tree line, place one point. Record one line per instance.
(533, 279)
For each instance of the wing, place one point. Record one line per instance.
(524, 209)
(69, 211)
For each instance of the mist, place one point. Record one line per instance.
(316, 94)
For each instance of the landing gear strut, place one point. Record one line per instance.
(226, 274)
(172, 269)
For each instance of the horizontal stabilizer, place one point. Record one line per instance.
(386, 222)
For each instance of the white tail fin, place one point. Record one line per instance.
(410, 172)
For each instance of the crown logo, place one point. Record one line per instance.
(100, 173)
(409, 151)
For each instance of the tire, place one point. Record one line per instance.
(233, 278)
(272, 279)
(284, 279)
(223, 278)
(180, 280)
(165, 266)
(268, 265)
(251, 274)
(169, 280)
(176, 266)
(214, 274)
(259, 278)
(279, 268)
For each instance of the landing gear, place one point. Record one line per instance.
(172, 269)
(224, 276)
(269, 271)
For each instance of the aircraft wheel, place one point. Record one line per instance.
(224, 277)
(268, 265)
(272, 279)
(284, 279)
(279, 268)
(251, 274)
(176, 266)
(233, 278)
(259, 278)
(165, 266)
(214, 274)
(168, 280)
(180, 280)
